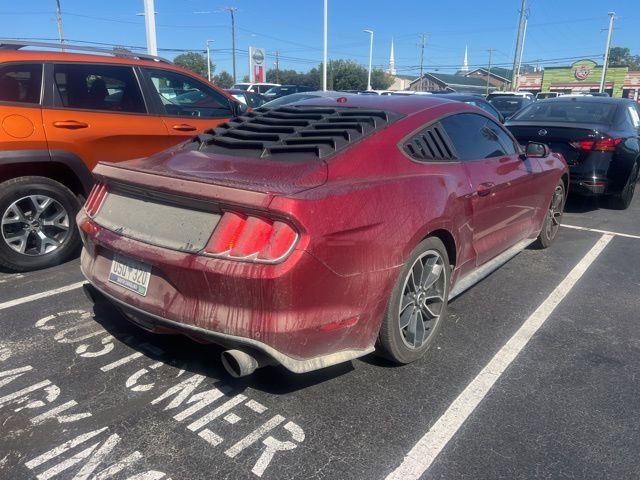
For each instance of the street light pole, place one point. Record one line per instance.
(150, 25)
(612, 17)
(209, 60)
(232, 11)
(370, 32)
(325, 55)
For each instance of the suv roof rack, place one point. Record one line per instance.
(116, 52)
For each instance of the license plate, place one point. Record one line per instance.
(130, 274)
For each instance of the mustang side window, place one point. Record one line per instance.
(473, 136)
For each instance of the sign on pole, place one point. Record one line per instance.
(256, 64)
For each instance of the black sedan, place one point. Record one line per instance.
(599, 138)
(476, 100)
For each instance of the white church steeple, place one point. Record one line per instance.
(392, 61)
(465, 63)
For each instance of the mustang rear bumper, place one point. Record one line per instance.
(300, 312)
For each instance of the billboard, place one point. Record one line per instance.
(257, 71)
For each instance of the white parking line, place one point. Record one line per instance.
(422, 455)
(607, 232)
(38, 296)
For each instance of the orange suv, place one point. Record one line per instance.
(61, 113)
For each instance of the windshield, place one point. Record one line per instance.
(507, 105)
(568, 112)
(240, 86)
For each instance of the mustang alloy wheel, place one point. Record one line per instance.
(418, 304)
(37, 223)
(422, 299)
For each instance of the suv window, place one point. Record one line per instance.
(110, 88)
(475, 137)
(21, 83)
(183, 96)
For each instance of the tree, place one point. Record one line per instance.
(245, 79)
(380, 80)
(289, 77)
(196, 62)
(622, 56)
(223, 79)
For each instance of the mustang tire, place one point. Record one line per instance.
(418, 304)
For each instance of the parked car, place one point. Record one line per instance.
(498, 94)
(298, 97)
(258, 87)
(544, 95)
(475, 100)
(312, 234)
(507, 105)
(251, 99)
(407, 92)
(63, 112)
(598, 137)
(282, 90)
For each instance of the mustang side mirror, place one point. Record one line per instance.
(536, 150)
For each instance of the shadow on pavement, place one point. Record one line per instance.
(204, 359)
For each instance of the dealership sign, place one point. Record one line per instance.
(256, 64)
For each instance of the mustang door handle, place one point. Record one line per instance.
(70, 124)
(184, 127)
(485, 189)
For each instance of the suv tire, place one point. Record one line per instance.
(37, 223)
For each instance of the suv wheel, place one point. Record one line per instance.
(37, 223)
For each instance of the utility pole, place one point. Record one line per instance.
(209, 60)
(517, 55)
(277, 66)
(325, 54)
(59, 20)
(150, 25)
(491, 50)
(232, 11)
(524, 35)
(612, 16)
(423, 41)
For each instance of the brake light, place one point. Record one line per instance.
(251, 238)
(603, 145)
(95, 199)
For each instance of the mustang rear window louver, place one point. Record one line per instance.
(429, 144)
(291, 132)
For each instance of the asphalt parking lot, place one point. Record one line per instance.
(535, 375)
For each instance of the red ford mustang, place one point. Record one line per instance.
(314, 233)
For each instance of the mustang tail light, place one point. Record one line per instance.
(603, 145)
(251, 238)
(95, 199)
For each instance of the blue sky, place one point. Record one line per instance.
(558, 31)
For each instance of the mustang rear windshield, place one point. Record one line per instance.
(297, 132)
(568, 112)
